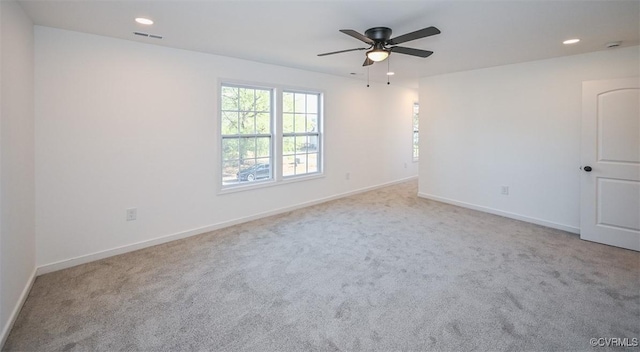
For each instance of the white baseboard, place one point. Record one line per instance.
(68, 263)
(505, 214)
(16, 309)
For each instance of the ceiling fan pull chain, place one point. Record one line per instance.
(367, 76)
(388, 69)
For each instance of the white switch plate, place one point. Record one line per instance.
(132, 214)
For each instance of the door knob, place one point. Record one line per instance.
(587, 168)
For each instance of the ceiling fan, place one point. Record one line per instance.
(381, 46)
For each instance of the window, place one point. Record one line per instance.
(300, 133)
(246, 129)
(249, 125)
(416, 148)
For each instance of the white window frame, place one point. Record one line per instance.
(221, 137)
(317, 134)
(276, 154)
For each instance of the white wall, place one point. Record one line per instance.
(515, 125)
(121, 124)
(17, 199)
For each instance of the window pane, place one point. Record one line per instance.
(247, 123)
(263, 147)
(312, 103)
(300, 123)
(312, 123)
(247, 99)
(230, 171)
(302, 143)
(301, 164)
(229, 98)
(247, 148)
(300, 102)
(312, 145)
(289, 145)
(229, 122)
(312, 162)
(230, 149)
(287, 123)
(263, 123)
(263, 100)
(287, 102)
(288, 165)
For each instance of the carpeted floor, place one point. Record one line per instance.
(379, 271)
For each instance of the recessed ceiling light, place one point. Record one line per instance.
(143, 20)
(390, 73)
(571, 41)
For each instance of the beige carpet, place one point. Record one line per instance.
(379, 271)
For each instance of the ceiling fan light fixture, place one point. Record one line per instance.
(377, 55)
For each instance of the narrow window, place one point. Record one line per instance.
(301, 128)
(416, 147)
(246, 130)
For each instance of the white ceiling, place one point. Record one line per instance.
(475, 34)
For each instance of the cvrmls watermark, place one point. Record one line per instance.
(613, 342)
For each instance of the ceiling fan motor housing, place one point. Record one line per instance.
(381, 34)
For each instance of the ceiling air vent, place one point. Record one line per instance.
(154, 36)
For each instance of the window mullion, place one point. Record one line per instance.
(277, 133)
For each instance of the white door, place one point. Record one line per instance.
(610, 180)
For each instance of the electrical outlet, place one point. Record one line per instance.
(405, 165)
(504, 190)
(132, 214)
(347, 176)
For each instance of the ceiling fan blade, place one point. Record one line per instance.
(411, 51)
(341, 51)
(358, 36)
(367, 62)
(421, 33)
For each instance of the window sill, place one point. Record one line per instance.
(293, 179)
(268, 183)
